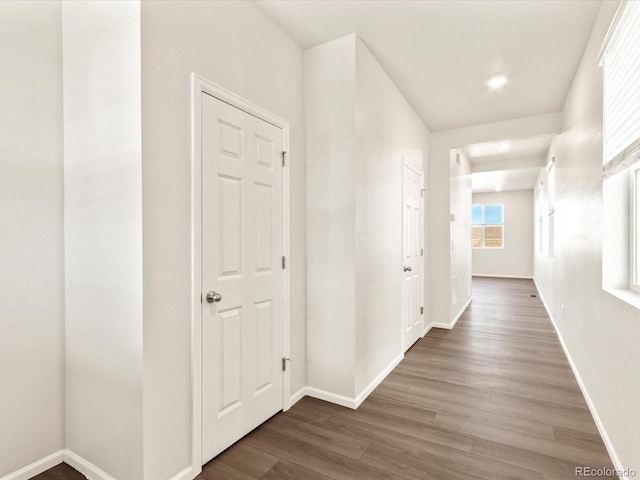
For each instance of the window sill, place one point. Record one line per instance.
(626, 295)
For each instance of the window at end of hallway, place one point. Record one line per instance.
(487, 226)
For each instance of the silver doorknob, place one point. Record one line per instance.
(407, 269)
(213, 297)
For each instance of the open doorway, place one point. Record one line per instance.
(505, 230)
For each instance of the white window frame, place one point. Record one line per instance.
(621, 158)
(634, 224)
(483, 225)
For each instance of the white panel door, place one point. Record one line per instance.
(411, 256)
(241, 262)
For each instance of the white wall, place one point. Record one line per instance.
(236, 46)
(330, 122)
(359, 129)
(460, 228)
(516, 258)
(387, 129)
(601, 332)
(31, 242)
(440, 145)
(103, 235)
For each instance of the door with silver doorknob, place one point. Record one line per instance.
(242, 243)
(411, 256)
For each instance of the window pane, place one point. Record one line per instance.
(476, 237)
(621, 94)
(493, 214)
(493, 237)
(476, 215)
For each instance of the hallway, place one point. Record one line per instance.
(494, 398)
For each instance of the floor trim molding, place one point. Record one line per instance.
(452, 324)
(331, 397)
(85, 467)
(186, 474)
(349, 402)
(362, 396)
(37, 467)
(299, 395)
(426, 330)
(74, 460)
(585, 393)
(489, 275)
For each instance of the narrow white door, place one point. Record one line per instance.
(411, 256)
(242, 280)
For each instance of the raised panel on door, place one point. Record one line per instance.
(229, 364)
(229, 219)
(264, 227)
(241, 246)
(264, 347)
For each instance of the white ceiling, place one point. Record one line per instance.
(441, 53)
(515, 179)
(508, 165)
(508, 149)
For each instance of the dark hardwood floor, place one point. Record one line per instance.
(492, 399)
(60, 472)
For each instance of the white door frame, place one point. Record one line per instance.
(406, 163)
(198, 86)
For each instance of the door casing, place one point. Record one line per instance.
(200, 85)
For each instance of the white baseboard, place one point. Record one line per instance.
(523, 277)
(37, 467)
(427, 328)
(296, 397)
(85, 467)
(585, 393)
(452, 324)
(186, 474)
(378, 380)
(349, 402)
(331, 397)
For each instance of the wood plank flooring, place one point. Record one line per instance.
(60, 472)
(492, 399)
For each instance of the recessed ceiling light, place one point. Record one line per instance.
(504, 147)
(498, 188)
(497, 81)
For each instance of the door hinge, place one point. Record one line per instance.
(421, 310)
(422, 252)
(200, 298)
(284, 158)
(422, 190)
(284, 363)
(284, 262)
